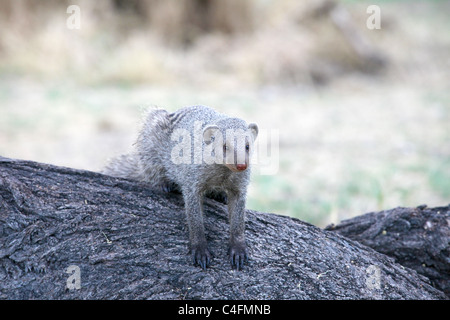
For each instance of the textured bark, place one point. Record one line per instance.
(130, 242)
(418, 238)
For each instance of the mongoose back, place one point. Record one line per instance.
(196, 151)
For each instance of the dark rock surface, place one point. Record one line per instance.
(73, 234)
(418, 238)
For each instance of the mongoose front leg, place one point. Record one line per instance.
(194, 212)
(238, 248)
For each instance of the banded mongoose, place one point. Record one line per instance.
(196, 151)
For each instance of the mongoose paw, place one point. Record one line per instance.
(201, 256)
(238, 255)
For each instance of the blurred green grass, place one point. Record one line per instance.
(333, 165)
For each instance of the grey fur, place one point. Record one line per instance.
(153, 162)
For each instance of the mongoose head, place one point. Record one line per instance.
(231, 140)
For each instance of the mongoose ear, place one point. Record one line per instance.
(253, 129)
(208, 132)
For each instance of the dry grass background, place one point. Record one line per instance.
(355, 135)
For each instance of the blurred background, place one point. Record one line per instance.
(363, 113)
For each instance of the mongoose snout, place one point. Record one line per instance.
(237, 167)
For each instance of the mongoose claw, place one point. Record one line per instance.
(201, 256)
(238, 255)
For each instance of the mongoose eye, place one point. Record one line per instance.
(247, 147)
(225, 148)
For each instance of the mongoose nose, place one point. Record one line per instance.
(241, 167)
